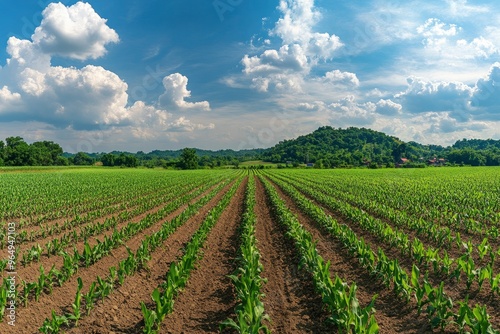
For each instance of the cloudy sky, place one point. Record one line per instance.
(142, 75)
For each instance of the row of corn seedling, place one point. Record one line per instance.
(179, 272)
(247, 282)
(101, 288)
(339, 298)
(440, 306)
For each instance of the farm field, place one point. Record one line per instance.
(282, 250)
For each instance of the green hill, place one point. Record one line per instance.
(330, 147)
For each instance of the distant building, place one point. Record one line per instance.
(436, 161)
(309, 164)
(403, 161)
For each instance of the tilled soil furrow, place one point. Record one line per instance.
(392, 315)
(456, 291)
(290, 300)
(31, 318)
(208, 298)
(121, 311)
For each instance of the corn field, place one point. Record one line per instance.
(243, 251)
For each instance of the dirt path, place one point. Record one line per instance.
(290, 299)
(208, 298)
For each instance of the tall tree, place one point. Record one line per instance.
(188, 159)
(17, 152)
(82, 159)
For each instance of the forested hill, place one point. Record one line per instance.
(330, 147)
(337, 147)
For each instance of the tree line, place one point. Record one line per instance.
(324, 148)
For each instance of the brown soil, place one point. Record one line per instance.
(121, 311)
(208, 298)
(456, 291)
(31, 318)
(392, 315)
(290, 300)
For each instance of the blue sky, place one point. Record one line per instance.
(107, 75)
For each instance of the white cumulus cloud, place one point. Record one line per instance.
(87, 98)
(176, 92)
(435, 28)
(76, 32)
(296, 26)
(342, 78)
(349, 112)
(486, 96)
(302, 49)
(422, 96)
(388, 107)
(287, 58)
(182, 124)
(8, 99)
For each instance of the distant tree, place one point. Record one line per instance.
(17, 152)
(108, 160)
(188, 159)
(399, 151)
(62, 161)
(467, 156)
(82, 159)
(2, 152)
(131, 161)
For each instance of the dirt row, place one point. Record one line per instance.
(31, 318)
(31, 271)
(456, 291)
(42, 241)
(290, 300)
(209, 298)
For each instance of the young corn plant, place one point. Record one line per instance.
(483, 248)
(466, 264)
(440, 306)
(28, 287)
(3, 298)
(479, 321)
(42, 283)
(495, 284)
(54, 324)
(76, 315)
(153, 318)
(150, 320)
(419, 290)
(89, 297)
